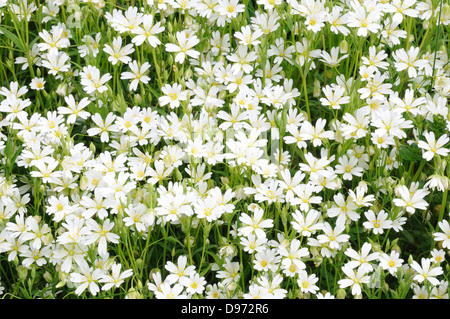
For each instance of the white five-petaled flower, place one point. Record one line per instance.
(391, 262)
(173, 94)
(443, 236)
(411, 199)
(184, 46)
(307, 282)
(137, 74)
(53, 41)
(333, 237)
(409, 61)
(377, 223)
(355, 278)
(425, 271)
(332, 59)
(255, 224)
(147, 31)
(334, 97)
(74, 109)
(362, 258)
(104, 127)
(87, 279)
(432, 146)
(117, 52)
(348, 166)
(92, 81)
(101, 234)
(116, 278)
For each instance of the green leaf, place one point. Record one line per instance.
(174, 240)
(438, 125)
(14, 38)
(409, 237)
(219, 261)
(411, 153)
(204, 271)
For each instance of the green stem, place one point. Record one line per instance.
(442, 211)
(419, 170)
(157, 68)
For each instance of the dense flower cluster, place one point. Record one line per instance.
(224, 149)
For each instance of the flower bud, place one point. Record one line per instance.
(133, 294)
(139, 264)
(60, 284)
(318, 260)
(316, 91)
(231, 287)
(137, 99)
(139, 195)
(340, 294)
(445, 12)
(48, 277)
(47, 239)
(228, 251)
(191, 241)
(61, 89)
(153, 272)
(343, 46)
(22, 271)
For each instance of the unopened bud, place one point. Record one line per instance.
(22, 271)
(316, 90)
(47, 239)
(61, 89)
(48, 277)
(231, 287)
(343, 46)
(133, 294)
(340, 294)
(191, 241)
(137, 99)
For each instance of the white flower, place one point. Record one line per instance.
(377, 223)
(254, 224)
(391, 262)
(117, 52)
(432, 147)
(184, 46)
(355, 278)
(101, 234)
(411, 199)
(362, 258)
(147, 31)
(37, 83)
(74, 109)
(348, 166)
(116, 278)
(307, 282)
(137, 74)
(425, 272)
(409, 61)
(87, 279)
(104, 127)
(443, 236)
(333, 237)
(92, 81)
(174, 94)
